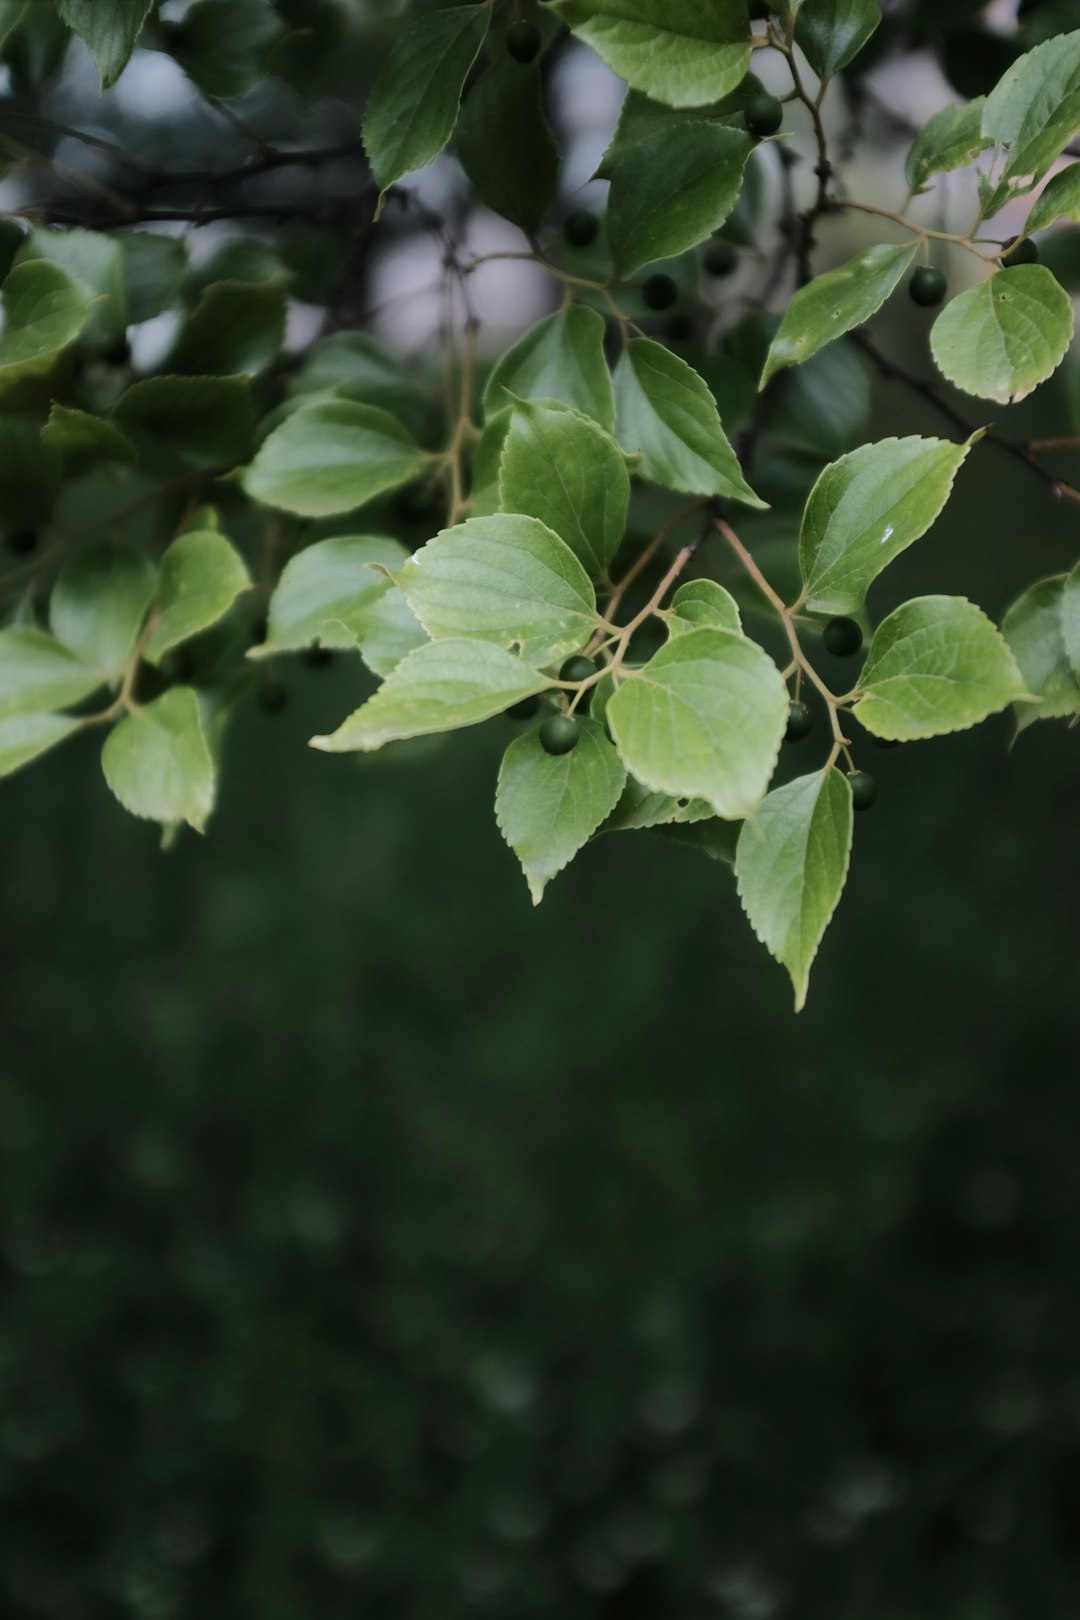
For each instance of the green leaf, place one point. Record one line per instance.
(485, 497)
(639, 807)
(44, 311)
(831, 33)
(98, 605)
(38, 674)
(715, 838)
(413, 105)
(835, 303)
(703, 719)
(866, 509)
(332, 456)
(323, 587)
(94, 263)
(999, 340)
(791, 865)
(11, 13)
(557, 465)
(85, 440)
(224, 45)
(949, 140)
(31, 473)
(505, 579)
(548, 806)
(158, 763)
(153, 268)
(1043, 630)
(561, 357)
(936, 664)
(1034, 111)
(386, 630)
(702, 602)
(1058, 199)
(669, 196)
(666, 412)
(201, 576)
(236, 328)
(442, 686)
(505, 145)
(109, 28)
(205, 420)
(681, 52)
(23, 737)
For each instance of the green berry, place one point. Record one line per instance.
(523, 41)
(559, 734)
(580, 227)
(21, 543)
(863, 789)
(763, 115)
(799, 722)
(577, 668)
(720, 257)
(1026, 252)
(842, 637)
(660, 291)
(928, 286)
(273, 697)
(525, 710)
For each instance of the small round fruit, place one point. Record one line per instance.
(928, 286)
(525, 710)
(799, 722)
(577, 668)
(21, 543)
(659, 291)
(523, 41)
(720, 257)
(559, 734)
(842, 637)
(863, 789)
(580, 227)
(1026, 252)
(763, 115)
(273, 697)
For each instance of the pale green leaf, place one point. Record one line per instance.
(1034, 110)
(683, 52)
(639, 807)
(44, 311)
(332, 456)
(936, 664)
(865, 509)
(1043, 630)
(505, 145)
(999, 340)
(949, 140)
(200, 578)
(237, 328)
(666, 412)
(831, 33)
(670, 195)
(205, 420)
(1058, 199)
(95, 264)
(38, 674)
(158, 763)
(561, 357)
(85, 440)
(703, 719)
(505, 579)
(23, 737)
(413, 105)
(110, 29)
(791, 865)
(559, 466)
(441, 686)
(702, 602)
(386, 631)
(548, 806)
(835, 303)
(98, 605)
(323, 586)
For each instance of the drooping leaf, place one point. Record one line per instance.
(999, 340)
(85, 440)
(1034, 111)
(669, 195)
(224, 46)
(98, 605)
(332, 456)
(559, 466)
(681, 52)
(866, 509)
(110, 29)
(791, 865)
(506, 146)
(936, 664)
(835, 303)
(237, 328)
(200, 578)
(505, 579)
(703, 719)
(204, 420)
(831, 33)
(1043, 630)
(153, 268)
(44, 311)
(949, 140)
(323, 587)
(561, 357)
(548, 806)
(702, 602)
(413, 105)
(24, 737)
(157, 761)
(441, 686)
(1058, 199)
(38, 674)
(666, 412)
